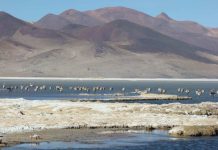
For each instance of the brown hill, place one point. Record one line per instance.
(116, 49)
(9, 25)
(52, 21)
(164, 16)
(77, 17)
(109, 14)
(136, 38)
(186, 31)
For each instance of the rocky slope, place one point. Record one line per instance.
(109, 42)
(187, 31)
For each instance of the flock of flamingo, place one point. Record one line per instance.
(61, 88)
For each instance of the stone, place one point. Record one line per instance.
(1, 138)
(194, 131)
(176, 131)
(35, 137)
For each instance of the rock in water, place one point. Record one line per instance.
(194, 131)
(2, 144)
(1, 138)
(177, 131)
(35, 137)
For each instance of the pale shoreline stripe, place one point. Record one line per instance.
(109, 79)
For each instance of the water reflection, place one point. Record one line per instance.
(128, 140)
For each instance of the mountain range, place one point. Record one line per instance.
(107, 42)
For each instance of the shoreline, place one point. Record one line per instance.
(28, 119)
(87, 135)
(68, 135)
(20, 115)
(142, 97)
(108, 79)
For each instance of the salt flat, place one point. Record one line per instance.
(21, 115)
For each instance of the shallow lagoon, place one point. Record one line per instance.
(132, 141)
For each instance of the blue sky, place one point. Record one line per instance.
(203, 11)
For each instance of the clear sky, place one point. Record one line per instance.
(203, 11)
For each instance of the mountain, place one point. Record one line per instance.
(140, 39)
(164, 16)
(93, 44)
(109, 14)
(213, 32)
(77, 17)
(52, 21)
(19, 39)
(186, 31)
(9, 25)
(59, 23)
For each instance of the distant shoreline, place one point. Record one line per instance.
(109, 79)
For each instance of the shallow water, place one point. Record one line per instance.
(130, 86)
(132, 141)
